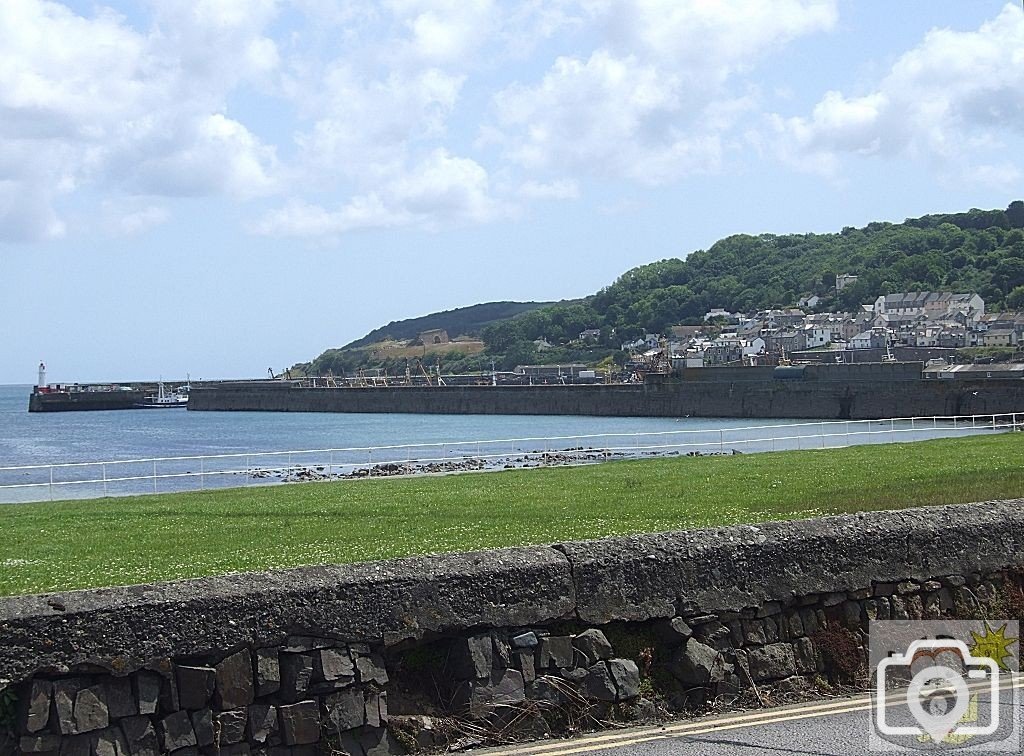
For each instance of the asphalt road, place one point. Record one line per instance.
(830, 728)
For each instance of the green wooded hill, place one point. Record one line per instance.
(979, 250)
(462, 321)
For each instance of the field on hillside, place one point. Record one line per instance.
(77, 544)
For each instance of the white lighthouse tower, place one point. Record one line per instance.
(42, 375)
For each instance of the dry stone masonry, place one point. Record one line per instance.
(452, 651)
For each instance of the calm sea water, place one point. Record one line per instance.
(59, 441)
(48, 438)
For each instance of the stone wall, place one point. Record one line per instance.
(387, 657)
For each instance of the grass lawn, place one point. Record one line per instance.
(118, 541)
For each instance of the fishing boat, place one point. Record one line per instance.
(165, 399)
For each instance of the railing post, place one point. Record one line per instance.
(248, 469)
(202, 474)
(51, 482)
(721, 440)
(154, 476)
(330, 465)
(104, 479)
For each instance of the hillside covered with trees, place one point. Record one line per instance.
(468, 321)
(980, 251)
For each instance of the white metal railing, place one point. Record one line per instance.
(164, 474)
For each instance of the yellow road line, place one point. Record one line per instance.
(690, 728)
(668, 734)
(616, 740)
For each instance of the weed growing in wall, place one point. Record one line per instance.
(841, 649)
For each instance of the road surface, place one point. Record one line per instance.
(826, 728)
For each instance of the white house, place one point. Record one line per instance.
(817, 336)
(718, 312)
(729, 340)
(861, 341)
(754, 346)
(843, 280)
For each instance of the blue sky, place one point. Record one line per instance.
(216, 187)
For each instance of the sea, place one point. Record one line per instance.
(58, 437)
(97, 453)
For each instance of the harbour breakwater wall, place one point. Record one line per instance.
(384, 658)
(834, 399)
(78, 401)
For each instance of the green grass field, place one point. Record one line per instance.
(78, 544)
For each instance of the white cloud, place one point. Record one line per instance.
(89, 103)
(529, 23)
(366, 126)
(131, 219)
(1003, 174)
(378, 116)
(216, 40)
(708, 40)
(651, 104)
(373, 104)
(536, 190)
(607, 117)
(440, 191)
(202, 155)
(445, 31)
(947, 101)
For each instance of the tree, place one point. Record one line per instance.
(1015, 214)
(1015, 299)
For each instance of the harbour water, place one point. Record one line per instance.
(242, 448)
(45, 438)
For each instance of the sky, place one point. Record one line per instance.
(219, 187)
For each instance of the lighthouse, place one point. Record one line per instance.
(42, 375)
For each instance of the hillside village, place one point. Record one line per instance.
(746, 300)
(925, 326)
(923, 320)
